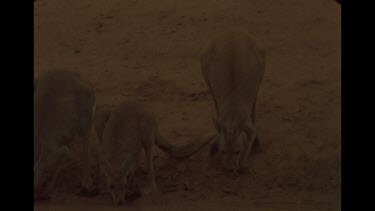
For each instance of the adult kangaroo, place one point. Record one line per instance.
(233, 66)
(64, 107)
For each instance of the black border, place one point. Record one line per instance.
(355, 97)
(17, 74)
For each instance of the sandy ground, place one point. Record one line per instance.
(148, 51)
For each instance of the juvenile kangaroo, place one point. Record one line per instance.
(123, 132)
(64, 105)
(233, 65)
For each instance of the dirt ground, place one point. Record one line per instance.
(148, 51)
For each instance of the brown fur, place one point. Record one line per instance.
(64, 105)
(233, 65)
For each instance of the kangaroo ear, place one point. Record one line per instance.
(216, 124)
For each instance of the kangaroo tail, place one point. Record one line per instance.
(185, 150)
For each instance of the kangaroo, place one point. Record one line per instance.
(123, 132)
(64, 107)
(233, 65)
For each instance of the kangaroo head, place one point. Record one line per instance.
(116, 187)
(119, 181)
(230, 144)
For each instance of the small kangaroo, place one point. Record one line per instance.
(233, 66)
(64, 106)
(123, 132)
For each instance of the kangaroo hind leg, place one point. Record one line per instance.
(84, 133)
(150, 162)
(257, 146)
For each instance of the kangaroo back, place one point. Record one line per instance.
(63, 104)
(233, 66)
